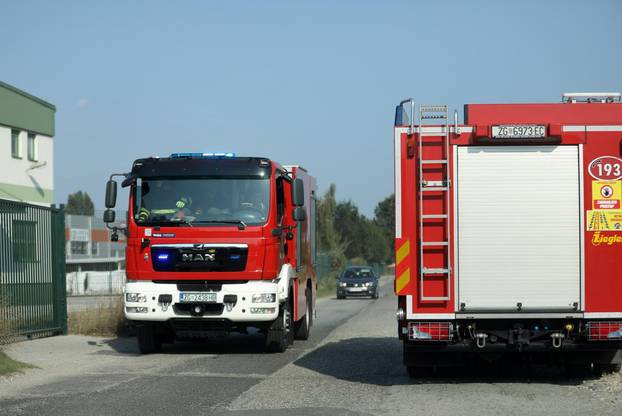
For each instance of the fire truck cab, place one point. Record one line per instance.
(508, 231)
(218, 243)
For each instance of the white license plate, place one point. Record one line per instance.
(521, 131)
(197, 297)
(356, 289)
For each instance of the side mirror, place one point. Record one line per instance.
(109, 216)
(298, 193)
(299, 214)
(111, 194)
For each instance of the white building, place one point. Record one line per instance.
(26, 147)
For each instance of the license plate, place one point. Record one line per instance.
(521, 131)
(356, 289)
(197, 297)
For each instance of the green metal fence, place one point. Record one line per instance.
(32, 270)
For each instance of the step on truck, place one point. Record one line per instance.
(217, 244)
(508, 231)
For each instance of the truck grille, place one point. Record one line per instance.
(199, 259)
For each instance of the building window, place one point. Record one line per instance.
(24, 241)
(32, 147)
(15, 150)
(95, 249)
(78, 247)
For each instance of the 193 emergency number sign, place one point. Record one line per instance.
(606, 168)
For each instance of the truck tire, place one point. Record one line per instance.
(280, 333)
(148, 339)
(303, 327)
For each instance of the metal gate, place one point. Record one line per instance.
(32, 270)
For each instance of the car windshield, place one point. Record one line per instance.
(202, 201)
(357, 273)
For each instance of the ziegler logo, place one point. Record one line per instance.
(192, 257)
(605, 239)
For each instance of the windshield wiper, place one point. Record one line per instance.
(241, 224)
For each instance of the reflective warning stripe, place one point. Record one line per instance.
(404, 273)
(402, 281)
(402, 252)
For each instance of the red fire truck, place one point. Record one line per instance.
(508, 231)
(217, 243)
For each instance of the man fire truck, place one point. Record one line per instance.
(508, 231)
(217, 243)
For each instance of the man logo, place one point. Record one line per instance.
(196, 257)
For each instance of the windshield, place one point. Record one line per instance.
(357, 273)
(202, 201)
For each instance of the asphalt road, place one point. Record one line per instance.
(350, 366)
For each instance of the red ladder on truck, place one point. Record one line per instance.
(435, 136)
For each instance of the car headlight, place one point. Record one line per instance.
(135, 297)
(342, 284)
(368, 284)
(264, 298)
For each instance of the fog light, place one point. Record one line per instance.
(135, 297)
(134, 309)
(264, 298)
(263, 310)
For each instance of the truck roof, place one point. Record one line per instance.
(556, 113)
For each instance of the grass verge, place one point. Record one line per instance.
(326, 287)
(10, 366)
(104, 320)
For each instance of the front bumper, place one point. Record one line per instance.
(348, 291)
(238, 312)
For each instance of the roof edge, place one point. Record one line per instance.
(29, 96)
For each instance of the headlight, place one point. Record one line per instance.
(342, 284)
(368, 284)
(135, 297)
(264, 298)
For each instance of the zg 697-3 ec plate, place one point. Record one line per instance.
(519, 131)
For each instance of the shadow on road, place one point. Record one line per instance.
(234, 344)
(378, 361)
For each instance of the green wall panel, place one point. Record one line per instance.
(24, 111)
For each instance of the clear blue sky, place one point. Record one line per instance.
(313, 84)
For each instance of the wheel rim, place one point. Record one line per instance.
(286, 320)
(307, 312)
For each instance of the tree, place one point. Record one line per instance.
(80, 203)
(329, 240)
(384, 218)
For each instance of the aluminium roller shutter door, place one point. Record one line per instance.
(518, 227)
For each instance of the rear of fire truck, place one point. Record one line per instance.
(509, 231)
(217, 243)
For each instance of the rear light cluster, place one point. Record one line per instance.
(604, 330)
(430, 331)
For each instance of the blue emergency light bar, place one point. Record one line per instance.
(202, 155)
